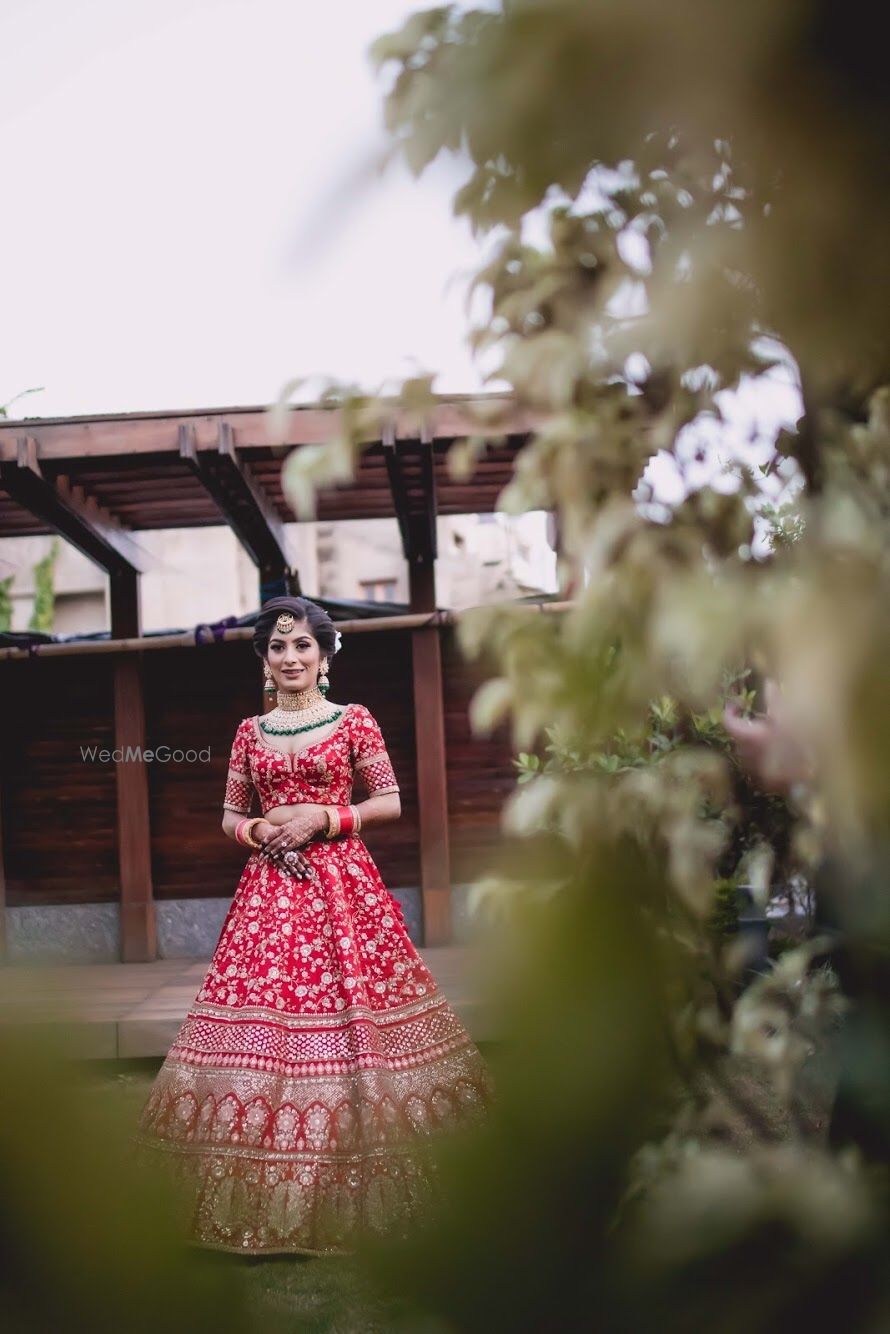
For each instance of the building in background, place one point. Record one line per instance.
(203, 574)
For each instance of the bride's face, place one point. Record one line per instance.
(294, 658)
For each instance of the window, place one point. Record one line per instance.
(378, 590)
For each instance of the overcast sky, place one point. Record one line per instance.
(190, 218)
(187, 218)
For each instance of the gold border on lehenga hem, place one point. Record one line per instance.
(380, 1017)
(244, 1192)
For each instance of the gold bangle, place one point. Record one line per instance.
(247, 835)
(356, 819)
(333, 822)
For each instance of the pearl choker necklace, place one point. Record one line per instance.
(312, 706)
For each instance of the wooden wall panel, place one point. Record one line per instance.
(196, 698)
(59, 812)
(479, 769)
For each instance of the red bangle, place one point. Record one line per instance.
(347, 819)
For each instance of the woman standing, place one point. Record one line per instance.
(319, 1055)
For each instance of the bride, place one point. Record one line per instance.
(319, 1056)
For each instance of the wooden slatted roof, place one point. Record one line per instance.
(162, 469)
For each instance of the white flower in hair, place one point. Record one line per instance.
(338, 640)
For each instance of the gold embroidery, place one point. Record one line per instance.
(372, 759)
(296, 1165)
(301, 1096)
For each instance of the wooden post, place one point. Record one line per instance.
(123, 586)
(429, 731)
(139, 942)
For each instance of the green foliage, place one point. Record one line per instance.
(6, 602)
(785, 524)
(4, 407)
(725, 917)
(90, 1240)
(742, 819)
(43, 611)
(673, 199)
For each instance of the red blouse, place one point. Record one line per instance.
(321, 772)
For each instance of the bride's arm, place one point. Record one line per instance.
(373, 770)
(379, 810)
(232, 819)
(312, 819)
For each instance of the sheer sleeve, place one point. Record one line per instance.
(370, 761)
(239, 786)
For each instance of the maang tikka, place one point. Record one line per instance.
(284, 624)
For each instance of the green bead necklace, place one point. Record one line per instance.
(302, 702)
(305, 727)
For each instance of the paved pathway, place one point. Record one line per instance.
(125, 1010)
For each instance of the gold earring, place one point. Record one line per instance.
(323, 683)
(270, 688)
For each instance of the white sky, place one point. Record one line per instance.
(190, 221)
(185, 223)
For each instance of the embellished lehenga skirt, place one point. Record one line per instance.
(315, 1069)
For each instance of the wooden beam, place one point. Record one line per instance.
(129, 464)
(396, 485)
(412, 481)
(242, 501)
(68, 511)
(139, 942)
(158, 432)
(185, 639)
(432, 788)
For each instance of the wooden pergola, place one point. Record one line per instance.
(98, 481)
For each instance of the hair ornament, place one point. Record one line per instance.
(285, 623)
(338, 640)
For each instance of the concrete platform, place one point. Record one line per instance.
(116, 1011)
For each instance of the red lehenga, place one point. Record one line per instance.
(319, 1056)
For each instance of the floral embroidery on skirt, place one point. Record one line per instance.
(318, 1061)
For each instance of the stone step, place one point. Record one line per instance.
(113, 1011)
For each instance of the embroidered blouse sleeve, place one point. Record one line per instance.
(239, 785)
(370, 761)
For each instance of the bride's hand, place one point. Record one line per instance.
(297, 863)
(297, 831)
(263, 831)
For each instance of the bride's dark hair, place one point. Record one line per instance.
(301, 609)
